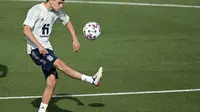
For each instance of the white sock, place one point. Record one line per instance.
(87, 78)
(43, 107)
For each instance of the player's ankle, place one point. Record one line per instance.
(43, 107)
(87, 78)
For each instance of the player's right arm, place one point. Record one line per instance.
(29, 23)
(28, 33)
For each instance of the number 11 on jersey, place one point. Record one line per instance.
(45, 30)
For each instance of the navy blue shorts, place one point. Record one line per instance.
(45, 61)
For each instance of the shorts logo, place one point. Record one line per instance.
(50, 58)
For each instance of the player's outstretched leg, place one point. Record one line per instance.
(77, 75)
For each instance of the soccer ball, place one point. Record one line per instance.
(91, 30)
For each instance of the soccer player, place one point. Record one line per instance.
(37, 29)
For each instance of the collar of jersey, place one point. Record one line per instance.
(43, 6)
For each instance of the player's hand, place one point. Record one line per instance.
(76, 45)
(42, 50)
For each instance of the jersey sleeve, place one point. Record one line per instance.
(31, 17)
(63, 17)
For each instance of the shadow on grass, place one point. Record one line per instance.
(53, 107)
(3, 71)
(96, 105)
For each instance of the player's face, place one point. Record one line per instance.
(56, 4)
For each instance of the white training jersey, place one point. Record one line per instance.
(41, 20)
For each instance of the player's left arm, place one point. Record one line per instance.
(65, 21)
(75, 42)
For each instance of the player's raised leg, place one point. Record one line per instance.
(48, 92)
(77, 75)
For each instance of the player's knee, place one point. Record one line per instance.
(51, 81)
